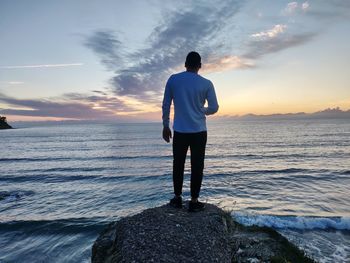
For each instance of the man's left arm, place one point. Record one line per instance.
(213, 105)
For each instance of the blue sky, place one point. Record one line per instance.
(111, 59)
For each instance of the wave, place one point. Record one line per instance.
(286, 170)
(50, 159)
(132, 157)
(48, 178)
(293, 222)
(267, 171)
(68, 178)
(9, 196)
(33, 159)
(60, 226)
(265, 156)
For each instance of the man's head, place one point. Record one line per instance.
(193, 61)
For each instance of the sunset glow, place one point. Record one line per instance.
(100, 62)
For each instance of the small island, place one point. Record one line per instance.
(3, 123)
(166, 234)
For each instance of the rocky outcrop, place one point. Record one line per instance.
(166, 234)
(4, 124)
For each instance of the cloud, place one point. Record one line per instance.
(15, 82)
(138, 76)
(42, 66)
(12, 82)
(276, 39)
(305, 6)
(141, 74)
(101, 101)
(272, 45)
(294, 7)
(107, 46)
(74, 106)
(100, 92)
(271, 33)
(291, 7)
(145, 71)
(54, 109)
(216, 29)
(330, 11)
(227, 63)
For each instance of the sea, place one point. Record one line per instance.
(61, 183)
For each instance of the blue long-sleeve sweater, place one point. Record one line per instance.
(189, 91)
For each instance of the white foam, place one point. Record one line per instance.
(293, 222)
(340, 253)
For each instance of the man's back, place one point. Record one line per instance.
(189, 91)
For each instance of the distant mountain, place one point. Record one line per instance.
(275, 116)
(332, 113)
(335, 113)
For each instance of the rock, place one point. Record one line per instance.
(4, 124)
(166, 234)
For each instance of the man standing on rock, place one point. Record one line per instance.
(189, 91)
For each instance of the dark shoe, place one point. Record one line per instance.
(176, 202)
(195, 206)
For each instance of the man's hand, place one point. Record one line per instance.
(166, 134)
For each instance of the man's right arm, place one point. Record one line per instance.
(167, 99)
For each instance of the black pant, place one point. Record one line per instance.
(196, 142)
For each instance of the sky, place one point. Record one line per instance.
(109, 59)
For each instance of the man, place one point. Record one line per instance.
(189, 91)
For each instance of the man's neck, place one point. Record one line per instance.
(192, 70)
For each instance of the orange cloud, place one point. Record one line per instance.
(226, 63)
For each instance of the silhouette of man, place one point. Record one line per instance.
(189, 91)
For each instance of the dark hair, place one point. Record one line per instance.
(193, 60)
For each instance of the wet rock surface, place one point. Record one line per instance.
(166, 234)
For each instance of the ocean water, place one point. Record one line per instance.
(60, 184)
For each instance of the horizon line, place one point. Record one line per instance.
(335, 111)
